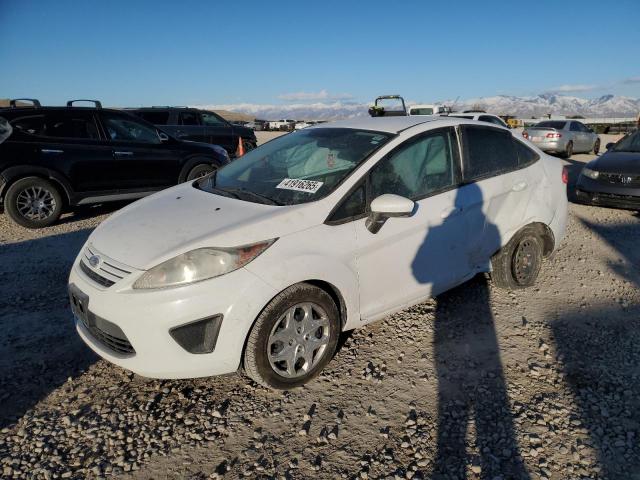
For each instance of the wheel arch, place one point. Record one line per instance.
(13, 174)
(543, 231)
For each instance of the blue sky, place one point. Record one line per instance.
(130, 53)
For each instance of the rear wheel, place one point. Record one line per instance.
(596, 147)
(200, 171)
(518, 263)
(293, 338)
(33, 202)
(569, 151)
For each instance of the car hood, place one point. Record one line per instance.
(183, 218)
(617, 162)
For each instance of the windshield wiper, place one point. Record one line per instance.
(239, 192)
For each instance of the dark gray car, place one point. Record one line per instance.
(564, 137)
(613, 179)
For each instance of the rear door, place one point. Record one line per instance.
(579, 137)
(490, 163)
(190, 126)
(219, 132)
(68, 141)
(143, 160)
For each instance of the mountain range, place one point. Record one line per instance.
(524, 107)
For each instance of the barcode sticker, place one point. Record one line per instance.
(309, 186)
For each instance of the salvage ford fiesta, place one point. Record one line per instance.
(262, 264)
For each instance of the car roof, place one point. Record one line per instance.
(49, 108)
(382, 124)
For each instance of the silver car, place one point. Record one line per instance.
(564, 137)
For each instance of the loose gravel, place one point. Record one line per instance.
(479, 383)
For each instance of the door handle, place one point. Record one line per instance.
(450, 212)
(123, 154)
(51, 150)
(518, 187)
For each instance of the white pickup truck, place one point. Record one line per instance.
(427, 109)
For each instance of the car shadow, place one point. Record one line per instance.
(472, 393)
(90, 211)
(39, 348)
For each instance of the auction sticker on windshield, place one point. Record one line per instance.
(310, 186)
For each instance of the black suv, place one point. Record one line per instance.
(200, 126)
(56, 157)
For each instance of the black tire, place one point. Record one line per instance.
(569, 151)
(248, 146)
(596, 147)
(33, 202)
(518, 263)
(256, 357)
(200, 171)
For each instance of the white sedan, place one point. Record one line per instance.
(262, 264)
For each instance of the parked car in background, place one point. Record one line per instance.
(427, 109)
(301, 125)
(481, 117)
(264, 264)
(564, 137)
(257, 125)
(58, 157)
(198, 125)
(613, 179)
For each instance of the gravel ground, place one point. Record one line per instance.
(478, 383)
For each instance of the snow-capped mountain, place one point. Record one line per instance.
(546, 103)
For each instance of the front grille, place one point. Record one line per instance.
(105, 282)
(118, 343)
(620, 179)
(106, 272)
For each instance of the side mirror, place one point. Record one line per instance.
(609, 145)
(387, 206)
(163, 137)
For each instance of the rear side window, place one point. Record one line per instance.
(189, 118)
(526, 156)
(156, 118)
(488, 152)
(33, 125)
(575, 127)
(71, 125)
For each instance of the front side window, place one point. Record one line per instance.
(422, 167)
(296, 168)
(488, 152)
(120, 128)
(212, 120)
(630, 143)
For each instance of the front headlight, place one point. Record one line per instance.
(200, 264)
(587, 172)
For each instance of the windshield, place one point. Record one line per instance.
(630, 143)
(295, 168)
(5, 129)
(556, 125)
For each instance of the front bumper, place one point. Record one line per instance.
(607, 195)
(146, 318)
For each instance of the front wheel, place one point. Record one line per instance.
(518, 263)
(199, 171)
(293, 338)
(33, 202)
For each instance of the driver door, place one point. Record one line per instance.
(413, 258)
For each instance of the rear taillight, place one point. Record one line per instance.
(525, 134)
(553, 135)
(565, 175)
